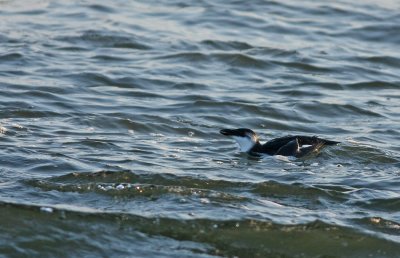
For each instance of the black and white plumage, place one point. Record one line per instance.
(296, 145)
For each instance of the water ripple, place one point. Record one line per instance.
(110, 117)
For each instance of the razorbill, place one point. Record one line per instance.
(296, 145)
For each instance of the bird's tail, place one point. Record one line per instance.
(328, 142)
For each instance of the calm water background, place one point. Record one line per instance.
(110, 113)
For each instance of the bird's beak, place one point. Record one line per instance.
(227, 132)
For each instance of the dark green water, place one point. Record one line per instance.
(110, 112)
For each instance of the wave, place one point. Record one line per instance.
(105, 39)
(210, 237)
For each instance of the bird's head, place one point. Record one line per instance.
(246, 138)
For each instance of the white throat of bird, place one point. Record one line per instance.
(245, 143)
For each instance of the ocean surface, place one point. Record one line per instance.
(110, 114)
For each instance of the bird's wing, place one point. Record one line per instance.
(289, 149)
(274, 145)
(306, 144)
(307, 149)
(314, 140)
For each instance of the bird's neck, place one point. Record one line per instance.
(245, 144)
(256, 148)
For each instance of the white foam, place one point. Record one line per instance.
(47, 209)
(120, 187)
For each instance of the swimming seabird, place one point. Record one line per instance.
(291, 145)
